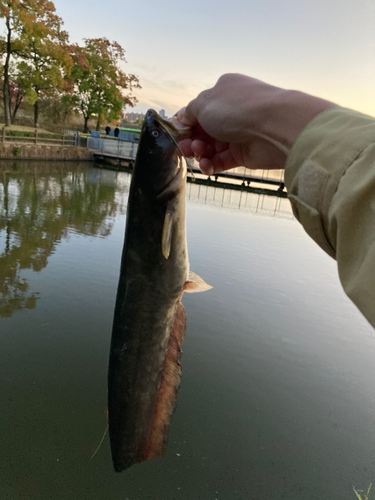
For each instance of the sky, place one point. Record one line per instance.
(179, 48)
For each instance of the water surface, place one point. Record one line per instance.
(277, 396)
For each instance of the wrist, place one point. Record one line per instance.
(293, 112)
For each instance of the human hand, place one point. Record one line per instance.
(242, 121)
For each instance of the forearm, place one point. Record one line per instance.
(330, 177)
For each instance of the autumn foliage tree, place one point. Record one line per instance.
(15, 13)
(45, 55)
(39, 64)
(35, 42)
(101, 88)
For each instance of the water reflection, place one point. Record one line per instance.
(269, 203)
(42, 203)
(39, 206)
(278, 365)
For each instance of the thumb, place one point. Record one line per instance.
(186, 116)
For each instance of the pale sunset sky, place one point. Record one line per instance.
(178, 48)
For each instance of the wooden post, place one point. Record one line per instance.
(3, 135)
(36, 136)
(63, 140)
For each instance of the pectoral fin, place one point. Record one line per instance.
(166, 237)
(195, 284)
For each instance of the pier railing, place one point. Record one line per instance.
(114, 148)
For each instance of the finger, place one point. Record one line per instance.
(200, 144)
(202, 149)
(206, 166)
(200, 134)
(193, 109)
(219, 162)
(185, 146)
(186, 117)
(180, 113)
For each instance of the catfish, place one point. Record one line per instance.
(150, 320)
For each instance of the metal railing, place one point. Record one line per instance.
(113, 148)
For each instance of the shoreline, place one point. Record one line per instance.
(22, 151)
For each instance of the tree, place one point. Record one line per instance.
(34, 34)
(58, 108)
(17, 95)
(15, 12)
(99, 83)
(45, 53)
(15, 90)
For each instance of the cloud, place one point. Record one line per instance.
(168, 94)
(167, 88)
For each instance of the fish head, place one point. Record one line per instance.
(159, 160)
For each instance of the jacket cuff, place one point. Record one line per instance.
(319, 158)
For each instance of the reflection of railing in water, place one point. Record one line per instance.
(244, 200)
(235, 190)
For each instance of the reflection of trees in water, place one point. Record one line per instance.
(37, 210)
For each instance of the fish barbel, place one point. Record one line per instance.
(149, 320)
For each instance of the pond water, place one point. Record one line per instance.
(277, 396)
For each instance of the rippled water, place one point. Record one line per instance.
(277, 397)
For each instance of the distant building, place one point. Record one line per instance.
(132, 117)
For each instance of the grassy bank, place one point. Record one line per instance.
(22, 128)
(11, 151)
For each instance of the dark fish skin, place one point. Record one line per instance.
(149, 319)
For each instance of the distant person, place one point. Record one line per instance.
(116, 131)
(107, 130)
(328, 153)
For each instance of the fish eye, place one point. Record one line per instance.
(155, 133)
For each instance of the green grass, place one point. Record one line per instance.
(361, 494)
(17, 151)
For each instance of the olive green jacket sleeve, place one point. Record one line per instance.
(330, 178)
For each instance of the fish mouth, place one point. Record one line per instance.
(174, 186)
(178, 133)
